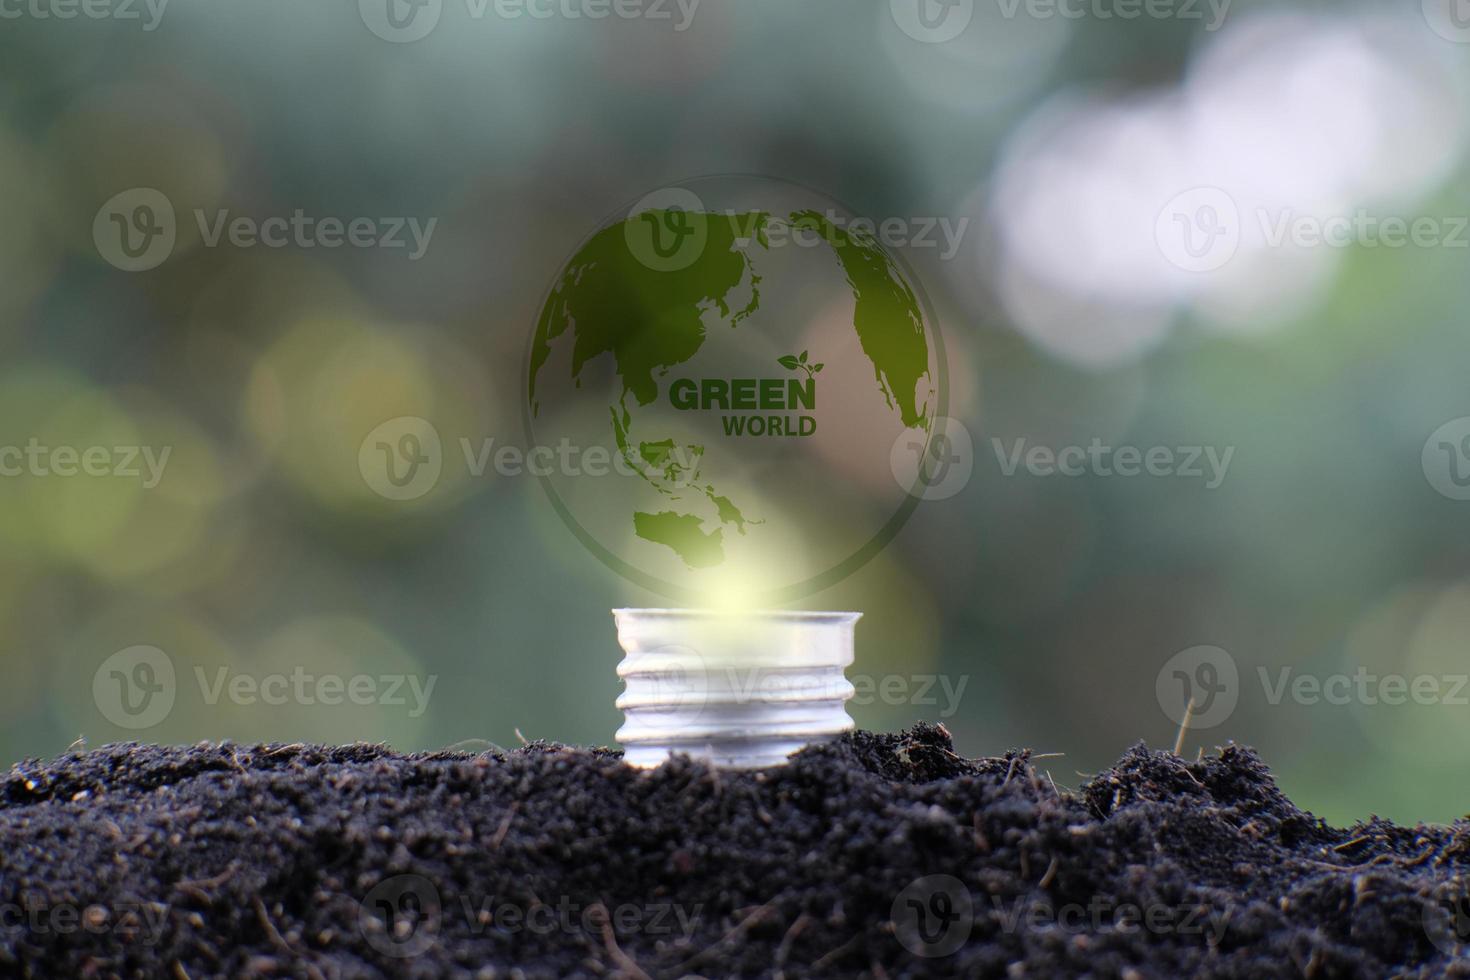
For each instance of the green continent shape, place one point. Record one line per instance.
(886, 316)
(648, 320)
(663, 457)
(684, 534)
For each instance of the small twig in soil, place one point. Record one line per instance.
(784, 950)
(836, 954)
(740, 929)
(194, 890)
(1380, 859)
(610, 940)
(279, 941)
(214, 882)
(1051, 873)
(982, 843)
(1184, 727)
(504, 826)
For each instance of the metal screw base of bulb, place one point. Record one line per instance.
(739, 690)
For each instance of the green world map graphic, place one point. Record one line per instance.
(626, 296)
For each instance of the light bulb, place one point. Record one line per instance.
(742, 689)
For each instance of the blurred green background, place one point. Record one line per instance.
(1057, 601)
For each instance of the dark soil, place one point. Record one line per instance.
(309, 861)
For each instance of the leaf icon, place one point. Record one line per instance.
(789, 363)
(803, 357)
(817, 368)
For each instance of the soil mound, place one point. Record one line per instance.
(878, 855)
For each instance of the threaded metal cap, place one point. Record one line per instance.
(742, 690)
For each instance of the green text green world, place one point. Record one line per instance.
(757, 396)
